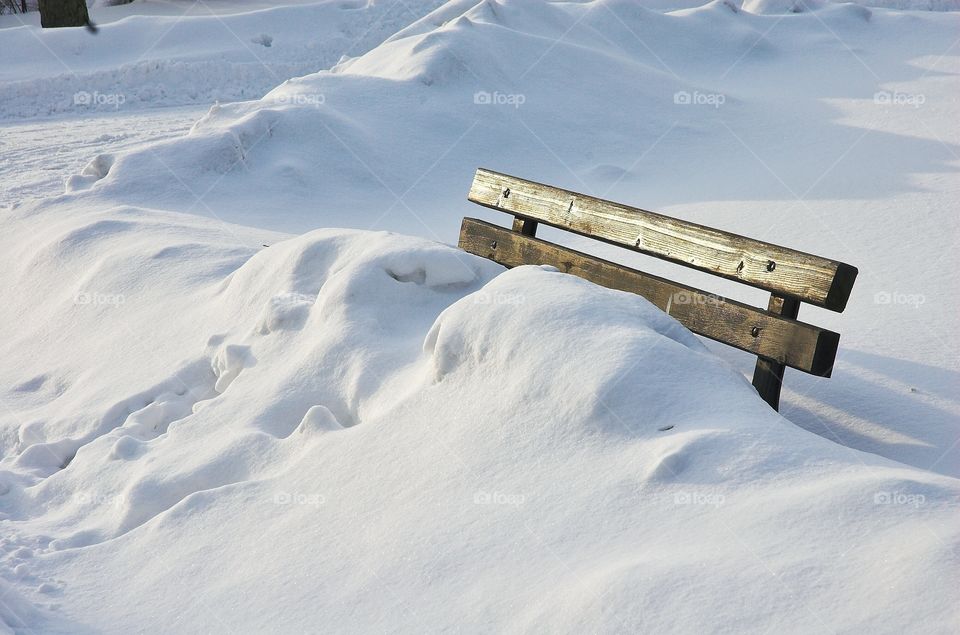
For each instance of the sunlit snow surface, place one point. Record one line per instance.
(220, 413)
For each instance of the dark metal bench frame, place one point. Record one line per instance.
(774, 335)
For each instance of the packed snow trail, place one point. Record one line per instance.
(179, 53)
(40, 155)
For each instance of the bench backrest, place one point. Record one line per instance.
(792, 276)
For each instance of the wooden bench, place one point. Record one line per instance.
(774, 335)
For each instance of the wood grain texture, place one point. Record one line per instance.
(781, 340)
(820, 281)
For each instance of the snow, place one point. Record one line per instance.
(150, 59)
(603, 470)
(239, 396)
(38, 156)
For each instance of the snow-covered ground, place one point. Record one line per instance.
(219, 412)
(39, 155)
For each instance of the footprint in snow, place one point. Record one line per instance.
(263, 40)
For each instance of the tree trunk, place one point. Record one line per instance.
(57, 13)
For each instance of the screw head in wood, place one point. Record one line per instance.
(493, 244)
(755, 331)
(771, 265)
(506, 192)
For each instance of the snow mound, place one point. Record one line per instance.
(358, 413)
(464, 100)
(478, 83)
(718, 115)
(780, 7)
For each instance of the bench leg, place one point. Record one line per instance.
(525, 227)
(768, 376)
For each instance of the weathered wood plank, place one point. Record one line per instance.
(784, 271)
(768, 375)
(781, 340)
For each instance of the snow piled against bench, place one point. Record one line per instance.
(381, 432)
(365, 431)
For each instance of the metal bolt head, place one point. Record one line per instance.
(771, 265)
(755, 331)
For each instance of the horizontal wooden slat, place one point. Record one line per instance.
(784, 271)
(790, 342)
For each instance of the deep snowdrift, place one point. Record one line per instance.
(351, 422)
(478, 83)
(853, 163)
(210, 426)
